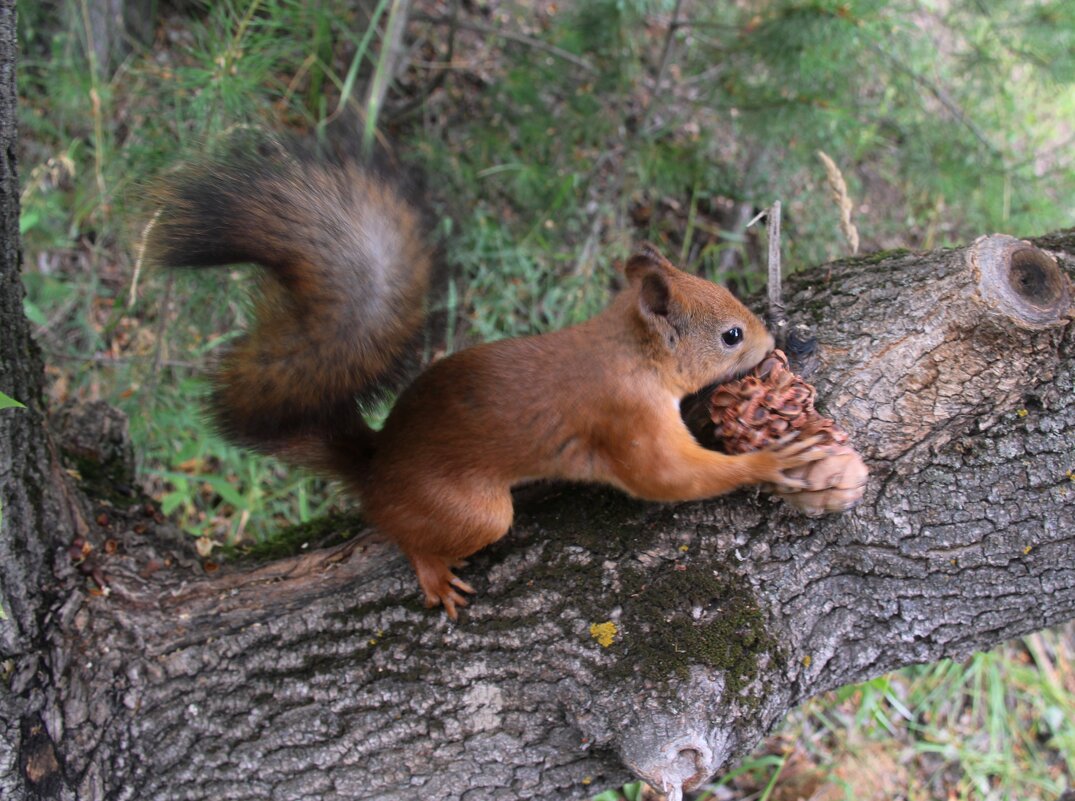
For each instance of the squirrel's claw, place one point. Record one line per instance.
(439, 584)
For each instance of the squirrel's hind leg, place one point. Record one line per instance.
(439, 525)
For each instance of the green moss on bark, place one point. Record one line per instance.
(689, 615)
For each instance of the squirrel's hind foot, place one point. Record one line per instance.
(439, 584)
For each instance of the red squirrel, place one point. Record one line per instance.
(347, 270)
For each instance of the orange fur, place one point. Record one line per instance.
(595, 402)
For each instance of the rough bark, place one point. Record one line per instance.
(37, 502)
(323, 677)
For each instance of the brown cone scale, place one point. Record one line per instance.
(771, 403)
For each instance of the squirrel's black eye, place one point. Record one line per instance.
(732, 337)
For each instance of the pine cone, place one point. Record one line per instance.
(771, 402)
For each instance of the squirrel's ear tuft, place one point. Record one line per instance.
(647, 260)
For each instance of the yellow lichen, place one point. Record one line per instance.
(1022, 413)
(807, 660)
(604, 633)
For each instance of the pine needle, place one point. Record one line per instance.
(132, 297)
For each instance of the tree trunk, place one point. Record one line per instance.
(38, 506)
(609, 636)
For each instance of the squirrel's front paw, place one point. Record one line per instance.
(783, 465)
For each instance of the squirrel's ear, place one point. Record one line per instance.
(654, 295)
(648, 270)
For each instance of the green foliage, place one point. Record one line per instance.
(1004, 718)
(629, 792)
(941, 137)
(945, 111)
(210, 488)
(239, 64)
(554, 168)
(512, 288)
(996, 727)
(98, 143)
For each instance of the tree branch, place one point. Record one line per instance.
(611, 635)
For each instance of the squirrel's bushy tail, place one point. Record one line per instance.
(348, 268)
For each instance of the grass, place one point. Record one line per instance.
(553, 151)
(998, 727)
